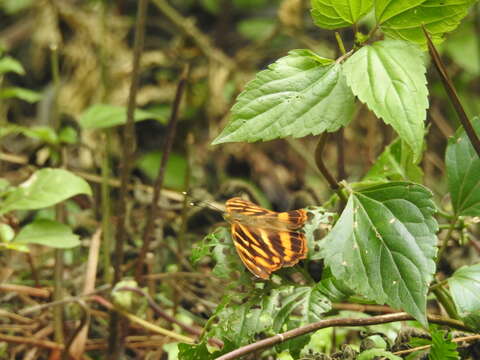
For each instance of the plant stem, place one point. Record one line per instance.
(374, 320)
(341, 46)
(116, 344)
(451, 228)
(167, 147)
(452, 94)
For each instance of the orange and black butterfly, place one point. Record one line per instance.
(266, 240)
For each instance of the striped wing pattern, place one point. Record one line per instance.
(266, 240)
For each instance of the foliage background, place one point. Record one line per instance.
(225, 43)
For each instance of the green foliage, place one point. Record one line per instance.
(20, 93)
(463, 171)
(394, 90)
(334, 14)
(44, 188)
(174, 173)
(396, 163)
(101, 116)
(384, 245)
(299, 95)
(443, 348)
(9, 64)
(372, 354)
(403, 19)
(332, 288)
(48, 233)
(465, 289)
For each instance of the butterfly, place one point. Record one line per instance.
(266, 240)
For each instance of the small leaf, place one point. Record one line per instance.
(372, 354)
(102, 116)
(9, 64)
(175, 172)
(46, 187)
(465, 289)
(48, 233)
(318, 219)
(463, 171)
(396, 163)
(443, 348)
(384, 245)
(307, 302)
(6, 233)
(335, 14)
(389, 76)
(20, 93)
(296, 96)
(403, 19)
(335, 290)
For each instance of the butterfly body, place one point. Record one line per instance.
(266, 240)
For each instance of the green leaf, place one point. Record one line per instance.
(296, 96)
(201, 352)
(463, 172)
(48, 233)
(334, 289)
(42, 133)
(462, 47)
(176, 169)
(9, 64)
(396, 163)
(100, 116)
(384, 245)
(334, 14)
(318, 219)
(372, 354)
(20, 93)
(465, 289)
(306, 302)
(256, 28)
(403, 19)
(6, 233)
(443, 348)
(46, 187)
(389, 76)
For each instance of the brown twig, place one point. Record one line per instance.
(456, 340)
(188, 27)
(190, 329)
(31, 341)
(365, 308)
(374, 320)
(167, 147)
(28, 290)
(452, 94)
(129, 145)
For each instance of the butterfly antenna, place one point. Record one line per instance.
(204, 204)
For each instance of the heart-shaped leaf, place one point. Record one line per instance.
(299, 95)
(384, 245)
(389, 76)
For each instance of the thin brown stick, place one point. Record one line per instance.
(170, 136)
(365, 308)
(187, 26)
(190, 329)
(129, 144)
(27, 290)
(374, 320)
(456, 340)
(31, 341)
(452, 93)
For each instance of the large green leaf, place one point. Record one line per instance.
(396, 163)
(100, 116)
(298, 95)
(384, 245)
(49, 233)
(403, 19)
(389, 76)
(465, 290)
(334, 14)
(44, 188)
(443, 348)
(463, 171)
(372, 354)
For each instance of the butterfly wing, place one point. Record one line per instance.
(243, 210)
(264, 251)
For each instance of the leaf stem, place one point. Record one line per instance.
(341, 46)
(323, 168)
(452, 93)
